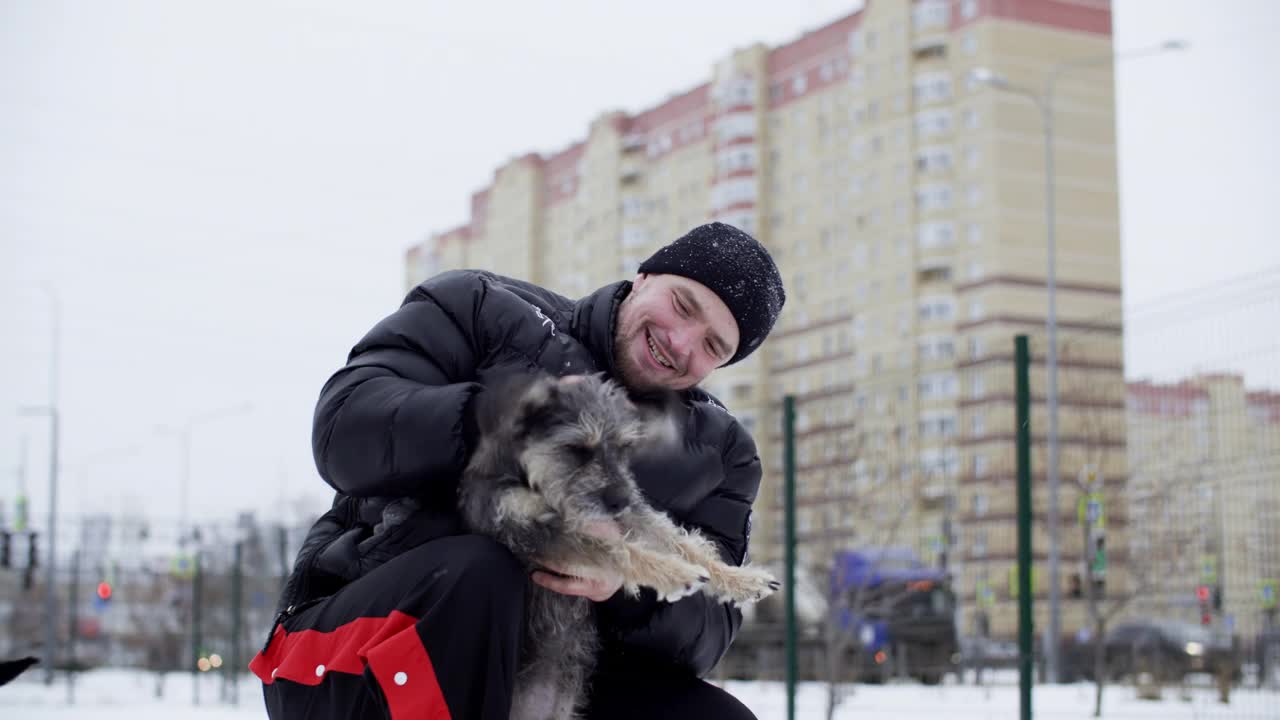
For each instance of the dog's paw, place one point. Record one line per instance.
(743, 584)
(679, 581)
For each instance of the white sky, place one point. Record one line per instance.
(220, 193)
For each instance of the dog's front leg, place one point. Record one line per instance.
(648, 527)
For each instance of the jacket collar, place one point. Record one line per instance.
(594, 319)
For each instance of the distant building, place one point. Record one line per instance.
(905, 205)
(1204, 457)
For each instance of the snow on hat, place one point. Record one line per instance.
(737, 268)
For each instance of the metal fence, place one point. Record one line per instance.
(1168, 519)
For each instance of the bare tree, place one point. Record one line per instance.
(840, 638)
(1145, 574)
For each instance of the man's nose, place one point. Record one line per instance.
(681, 340)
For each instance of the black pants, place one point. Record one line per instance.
(434, 634)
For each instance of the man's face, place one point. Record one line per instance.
(671, 333)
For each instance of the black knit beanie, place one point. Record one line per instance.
(737, 268)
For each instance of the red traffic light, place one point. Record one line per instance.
(1202, 593)
(1206, 619)
(104, 591)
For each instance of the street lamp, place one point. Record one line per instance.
(1044, 102)
(184, 432)
(51, 410)
(50, 586)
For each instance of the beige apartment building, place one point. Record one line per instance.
(1204, 496)
(904, 203)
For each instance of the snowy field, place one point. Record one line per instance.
(124, 695)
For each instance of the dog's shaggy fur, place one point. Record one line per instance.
(553, 457)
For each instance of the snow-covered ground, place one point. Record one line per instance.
(125, 695)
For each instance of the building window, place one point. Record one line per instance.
(942, 348)
(973, 194)
(934, 386)
(798, 85)
(732, 192)
(937, 308)
(979, 422)
(929, 123)
(931, 87)
(935, 235)
(980, 501)
(971, 157)
(969, 44)
(968, 9)
(970, 119)
(974, 233)
(933, 158)
(933, 197)
(977, 387)
(737, 158)
(931, 14)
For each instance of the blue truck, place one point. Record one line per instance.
(898, 613)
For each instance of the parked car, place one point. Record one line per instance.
(1266, 649)
(1168, 650)
(988, 653)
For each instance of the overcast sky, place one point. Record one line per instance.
(220, 194)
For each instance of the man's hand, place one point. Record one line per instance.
(597, 589)
(593, 589)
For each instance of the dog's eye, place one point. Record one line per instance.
(582, 453)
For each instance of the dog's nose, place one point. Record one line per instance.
(615, 499)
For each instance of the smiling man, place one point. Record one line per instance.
(424, 621)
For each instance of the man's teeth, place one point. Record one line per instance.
(653, 350)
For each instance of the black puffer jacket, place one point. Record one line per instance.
(393, 422)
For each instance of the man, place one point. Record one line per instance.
(424, 621)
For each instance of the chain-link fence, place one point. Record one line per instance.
(1168, 519)
(1167, 512)
(146, 595)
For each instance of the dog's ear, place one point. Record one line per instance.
(509, 397)
(661, 413)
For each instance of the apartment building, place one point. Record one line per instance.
(905, 205)
(1204, 494)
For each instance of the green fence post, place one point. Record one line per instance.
(1022, 358)
(789, 485)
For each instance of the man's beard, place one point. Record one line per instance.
(630, 375)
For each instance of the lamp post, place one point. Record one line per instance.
(184, 432)
(51, 411)
(50, 586)
(1044, 103)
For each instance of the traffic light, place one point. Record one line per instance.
(6, 549)
(1097, 557)
(104, 591)
(1217, 598)
(1202, 594)
(32, 552)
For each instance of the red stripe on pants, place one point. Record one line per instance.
(390, 646)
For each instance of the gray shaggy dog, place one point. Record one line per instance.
(553, 458)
